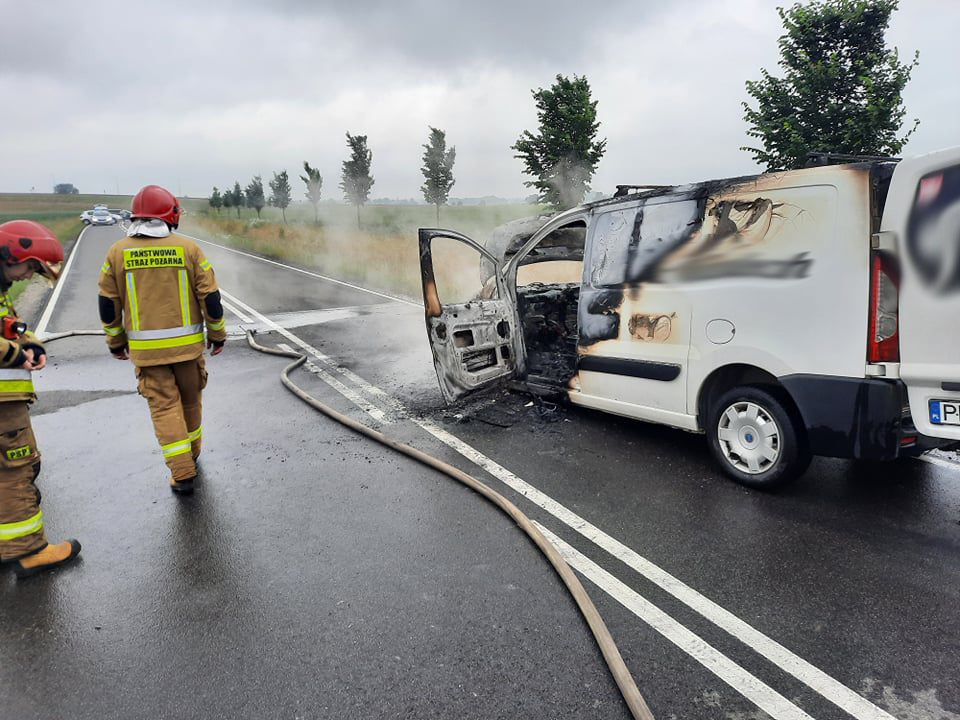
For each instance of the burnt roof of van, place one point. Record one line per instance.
(708, 187)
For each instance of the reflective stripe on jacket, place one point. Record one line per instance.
(15, 381)
(158, 285)
(15, 384)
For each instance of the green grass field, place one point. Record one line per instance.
(381, 253)
(60, 213)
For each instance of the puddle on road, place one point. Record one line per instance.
(52, 400)
(915, 705)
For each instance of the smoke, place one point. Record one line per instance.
(568, 183)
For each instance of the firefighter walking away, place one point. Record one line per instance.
(157, 290)
(26, 247)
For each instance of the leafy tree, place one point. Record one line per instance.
(65, 189)
(254, 193)
(841, 87)
(227, 199)
(564, 153)
(216, 200)
(280, 192)
(437, 169)
(237, 199)
(314, 183)
(355, 176)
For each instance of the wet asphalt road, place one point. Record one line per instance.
(315, 574)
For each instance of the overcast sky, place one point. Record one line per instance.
(112, 95)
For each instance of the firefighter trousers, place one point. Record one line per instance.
(173, 395)
(21, 521)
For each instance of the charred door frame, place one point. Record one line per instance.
(474, 344)
(570, 217)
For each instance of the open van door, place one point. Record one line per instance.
(474, 339)
(922, 214)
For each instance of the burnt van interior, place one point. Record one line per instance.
(547, 281)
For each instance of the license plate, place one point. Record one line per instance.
(945, 412)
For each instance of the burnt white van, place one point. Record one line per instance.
(784, 315)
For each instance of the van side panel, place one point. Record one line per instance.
(634, 333)
(793, 299)
(770, 272)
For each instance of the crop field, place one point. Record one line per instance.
(49, 208)
(380, 253)
(60, 213)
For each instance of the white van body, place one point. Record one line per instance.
(805, 312)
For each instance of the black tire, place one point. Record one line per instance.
(757, 438)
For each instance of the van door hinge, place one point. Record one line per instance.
(888, 370)
(885, 241)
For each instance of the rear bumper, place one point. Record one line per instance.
(864, 418)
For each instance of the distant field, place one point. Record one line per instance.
(36, 206)
(60, 213)
(381, 254)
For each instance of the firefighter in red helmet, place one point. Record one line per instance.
(26, 247)
(157, 290)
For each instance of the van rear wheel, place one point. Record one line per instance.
(756, 439)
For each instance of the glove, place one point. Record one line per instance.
(38, 350)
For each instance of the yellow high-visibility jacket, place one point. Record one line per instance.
(159, 288)
(15, 384)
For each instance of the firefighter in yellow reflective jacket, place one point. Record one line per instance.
(156, 291)
(26, 248)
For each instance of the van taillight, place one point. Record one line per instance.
(883, 344)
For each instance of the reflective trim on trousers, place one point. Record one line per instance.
(175, 448)
(10, 531)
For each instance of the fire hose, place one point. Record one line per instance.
(608, 648)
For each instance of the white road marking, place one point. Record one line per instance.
(745, 683)
(356, 379)
(354, 397)
(58, 288)
(243, 318)
(940, 462)
(305, 272)
(831, 689)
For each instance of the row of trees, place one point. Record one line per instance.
(355, 180)
(841, 93)
(254, 196)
